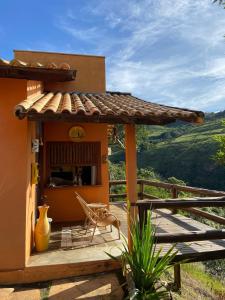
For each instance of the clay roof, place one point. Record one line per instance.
(35, 64)
(109, 107)
(36, 71)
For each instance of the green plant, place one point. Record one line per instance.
(145, 261)
(220, 139)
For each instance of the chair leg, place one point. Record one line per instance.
(88, 226)
(118, 227)
(111, 228)
(85, 222)
(93, 233)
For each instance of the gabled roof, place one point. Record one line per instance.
(109, 107)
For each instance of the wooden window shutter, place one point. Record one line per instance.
(77, 154)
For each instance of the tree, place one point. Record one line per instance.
(220, 154)
(142, 137)
(220, 2)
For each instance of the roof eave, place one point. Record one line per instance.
(39, 74)
(110, 119)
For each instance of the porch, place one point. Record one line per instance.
(70, 245)
(71, 253)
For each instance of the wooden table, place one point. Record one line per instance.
(96, 206)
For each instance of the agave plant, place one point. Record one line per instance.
(145, 262)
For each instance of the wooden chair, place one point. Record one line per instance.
(98, 218)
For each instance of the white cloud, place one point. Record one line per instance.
(89, 34)
(172, 51)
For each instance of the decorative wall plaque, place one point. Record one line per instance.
(76, 133)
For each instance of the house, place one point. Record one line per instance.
(54, 118)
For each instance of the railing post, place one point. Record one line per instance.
(174, 191)
(141, 189)
(177, 277)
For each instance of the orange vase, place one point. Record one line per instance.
(42, 230)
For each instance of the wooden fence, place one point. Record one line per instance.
(205, 198)
(197, 199)
(175, 189)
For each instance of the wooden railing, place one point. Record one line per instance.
(205, 198)
(202, 198)
(174, 189)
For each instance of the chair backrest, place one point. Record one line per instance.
(90, 214)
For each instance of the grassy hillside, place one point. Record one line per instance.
(183, 150)
(197, 283)
(186, 152)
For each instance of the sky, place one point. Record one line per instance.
(166, 51)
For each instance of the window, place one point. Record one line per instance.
(71, 163)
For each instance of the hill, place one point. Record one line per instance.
(182, 150)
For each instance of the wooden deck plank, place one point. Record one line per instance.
(167, 222)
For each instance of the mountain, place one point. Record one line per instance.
(182, 150)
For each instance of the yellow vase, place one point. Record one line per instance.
(42, 230)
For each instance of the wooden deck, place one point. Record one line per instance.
(71, 253)
(69, 245)
(167, 222)
(195, 250)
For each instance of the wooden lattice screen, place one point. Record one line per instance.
(76, 154)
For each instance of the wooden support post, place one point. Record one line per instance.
(131, 174)
(174, 196)
(141, 190)
(177, 277)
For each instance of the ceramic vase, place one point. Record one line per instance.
(42, 229)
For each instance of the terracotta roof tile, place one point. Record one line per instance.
(110, 107)
(35, 64)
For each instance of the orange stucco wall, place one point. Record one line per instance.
(90, 75)
(30, 193)
(34, 88)
(16, 193)
(62, 202)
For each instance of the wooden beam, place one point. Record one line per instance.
(148, 196)
(199, 256)
(117, 182)
(190, 236)
(206, 215)
(181, 203)
(179, 188)
(124, 195)
(40, 74)
(131, 175)
(182, 188)
(115, 196)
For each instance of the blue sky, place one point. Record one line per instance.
(167, 51)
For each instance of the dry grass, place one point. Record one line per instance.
(197, 284)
